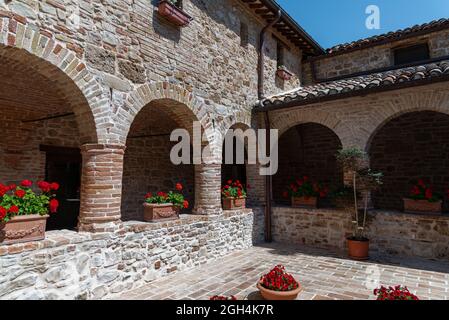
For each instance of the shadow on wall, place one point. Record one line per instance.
(163, 27)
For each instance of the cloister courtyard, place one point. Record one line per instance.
(324, 276)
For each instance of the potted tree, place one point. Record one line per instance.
(278, 285)
(343, 198)
(305, 193)
(164, 206)
(172, 11)
(234, 195)
(423, 199)
(363, 180)
(24, 212)
(283, 73)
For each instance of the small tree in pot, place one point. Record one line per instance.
(363, 180)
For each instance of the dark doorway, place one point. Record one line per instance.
(63, 165)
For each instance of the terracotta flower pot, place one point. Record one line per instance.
(23, 229)
(173, 14)
(160, 212)
(272, 295)
(234, 203)
(422, 206)
(358, 249)
(304, 202)
(284, 74)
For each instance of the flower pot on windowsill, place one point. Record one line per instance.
(304, 202)
(422, 206)
(173, 14)
(284, 74)
(358, 249)
(272, 295)
(234, 203)
(23, 229)
(160, 212)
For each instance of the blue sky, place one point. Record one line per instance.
(331, 22)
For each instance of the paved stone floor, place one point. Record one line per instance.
(323, 275)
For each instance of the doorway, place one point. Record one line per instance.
(63, 165)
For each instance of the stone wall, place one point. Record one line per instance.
(69, 265)
(408, 148)
(375, 57)
(390, 232)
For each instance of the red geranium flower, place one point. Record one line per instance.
(12, 186)
(3, 213)
(179, 187)
(14, 209)
(54, 204)
(54, 186)
(44, 186)
(186, 204)
(148, 195)
(429, 194)
(20, 193)
(162, 194)
(26, 183)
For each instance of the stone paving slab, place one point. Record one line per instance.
(323, 275)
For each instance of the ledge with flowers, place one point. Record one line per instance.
(24, 212)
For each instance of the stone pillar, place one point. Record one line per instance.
(101, 187)
(207, 189)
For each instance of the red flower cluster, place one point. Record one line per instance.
(279, 280)
(421, 191)
(394, 293)
(223, 298)
(233, 189)
(306, 188)
(22, 200)
(161, 197)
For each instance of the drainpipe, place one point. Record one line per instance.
(260, 95)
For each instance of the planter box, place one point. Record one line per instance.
(272, 295)
(304, 202)
(160, 212)
(422, 206)
(284, 74)
(173, 14)
(23, 229)
(234, 203)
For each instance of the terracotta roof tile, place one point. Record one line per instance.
(391, 36)
(384, 80)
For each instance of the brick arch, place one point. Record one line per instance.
(188, 108)
(287, 120)
(39, 50)
(401, 105)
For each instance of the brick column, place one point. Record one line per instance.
(101, 187)
(207, 189)
(256, 192)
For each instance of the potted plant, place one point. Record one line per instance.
(164, 206)
(423, 199)
(278, 285)
(234, 195)
(363, 180)
(396, 293)
(172, 11)
(343, 198)
(24, 213)
(283, 73)
(305, 193)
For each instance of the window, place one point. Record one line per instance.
(280, 54)
(244, 34)
(411, 54)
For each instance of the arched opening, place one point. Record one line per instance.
(147, 163)
(407, 148)
(235, 171)
(307, 149)
(45, 119)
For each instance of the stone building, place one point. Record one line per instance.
(90, 92)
